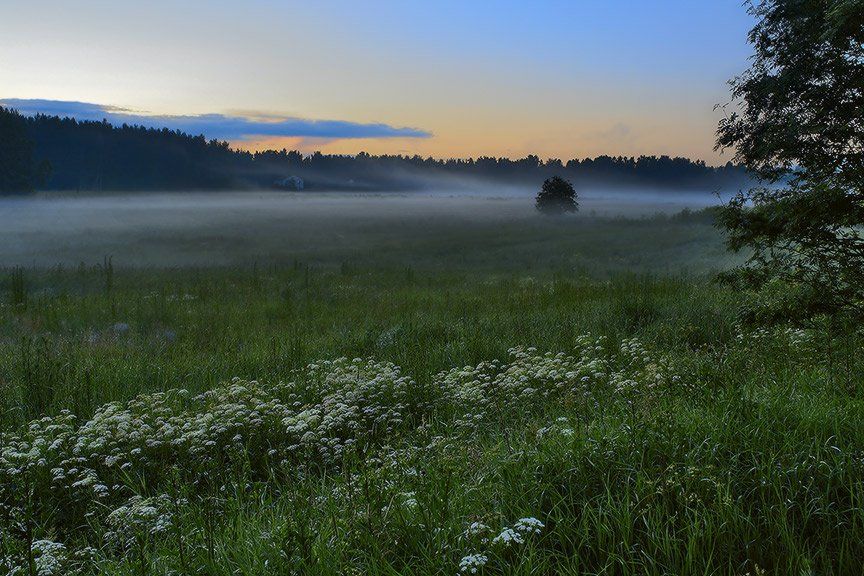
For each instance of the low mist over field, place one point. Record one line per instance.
(198, 228)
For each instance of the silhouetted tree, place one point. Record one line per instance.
(556, 197)
(801, 129)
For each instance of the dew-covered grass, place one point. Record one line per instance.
(552, 407)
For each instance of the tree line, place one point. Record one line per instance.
(51, 153)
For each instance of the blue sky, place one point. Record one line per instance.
(466, 78)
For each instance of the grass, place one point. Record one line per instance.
(666, 439)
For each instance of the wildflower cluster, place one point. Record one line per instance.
(49, 558)
(60, 475)
(471, 563)
(353, 402)
(510, 538)
(128, 472)
(801, 342)
(530, 379)
(561, 428)
(639, 375)
(518, 533)
(136, 521)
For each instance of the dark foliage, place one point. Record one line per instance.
(18, 171)
(556, 197)
(801, 129)
(99, 156)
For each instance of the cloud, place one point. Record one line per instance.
(618, 133)
(220, 126)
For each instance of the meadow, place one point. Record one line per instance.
(415, 394)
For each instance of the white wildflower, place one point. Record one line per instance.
(472, 563)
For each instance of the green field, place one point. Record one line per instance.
(423, 396)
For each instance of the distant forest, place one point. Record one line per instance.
(52, 153)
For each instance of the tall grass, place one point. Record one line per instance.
(657, 436)
(17, 287)
(157, 330)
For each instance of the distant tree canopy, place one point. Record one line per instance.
(89, 155)
(99, 156)
(19, 173)
(556, 197)
(801, 129)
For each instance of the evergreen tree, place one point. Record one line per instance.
(17, 169)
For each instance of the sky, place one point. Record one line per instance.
(446, 78)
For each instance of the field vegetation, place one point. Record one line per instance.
(425, 384)
(575, 397)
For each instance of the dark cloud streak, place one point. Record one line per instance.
(220, 126)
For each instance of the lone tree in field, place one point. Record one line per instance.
(800, 129)
(557, 197)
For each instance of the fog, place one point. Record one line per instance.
(218, 228)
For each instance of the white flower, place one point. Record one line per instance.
(50, 557)
(528, 526)
(471, 563)
(476, 528)
(508, 536)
